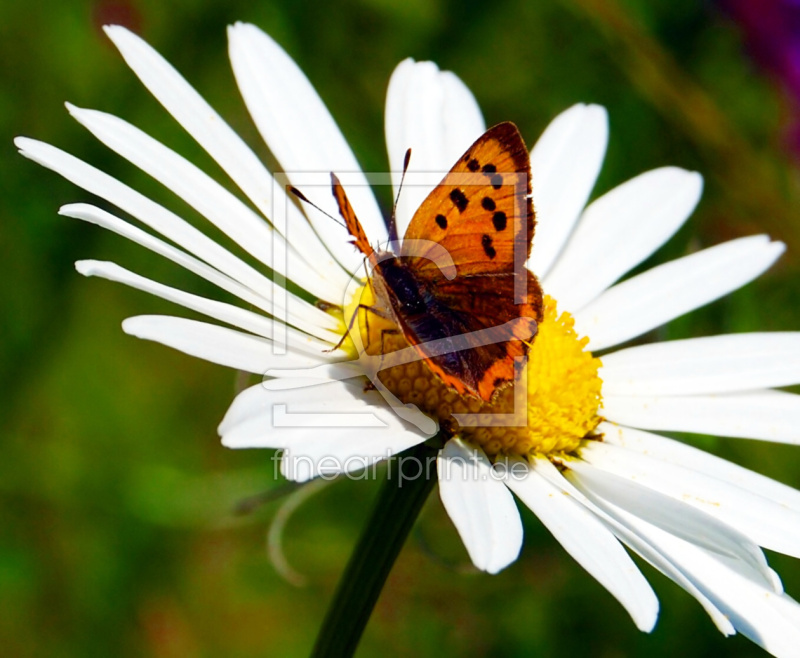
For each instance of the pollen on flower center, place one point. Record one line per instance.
(559, 407)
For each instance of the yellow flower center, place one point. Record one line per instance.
(559, 407)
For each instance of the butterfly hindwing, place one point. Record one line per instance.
(471, 346)
(488, 301)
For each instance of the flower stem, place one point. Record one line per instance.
(410, 478)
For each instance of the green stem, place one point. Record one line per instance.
(411, 478)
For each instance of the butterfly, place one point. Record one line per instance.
(481, 216)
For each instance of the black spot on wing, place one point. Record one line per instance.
(458, 198)
(441, 220)
(486, 243)
(473, 165)
(491, 171)
(499, 220)
(488, 203)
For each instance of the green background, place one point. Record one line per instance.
(118, 535)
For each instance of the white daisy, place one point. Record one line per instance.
(594, 481)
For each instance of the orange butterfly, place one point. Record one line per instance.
(482, 215)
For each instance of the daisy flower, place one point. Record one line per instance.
(586, 461)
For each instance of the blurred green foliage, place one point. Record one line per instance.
(118, 535)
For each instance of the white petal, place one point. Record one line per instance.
(233, 315)
(345, 451)
(765, 415)
(205, 195)
(256, 404)
(587, 540)
(714, 364)
(619, 230)
(635, 542)
(767, 618)
(303, 136)
(565, 163)
(480, 505)
(220, 345)
(663, 293)
(304, 314)
(674, 516)
(675, 452)
(285, 378)
(219, 140)
(325, 429)
(432, 113)
(765, 521)
(255, 401)
(328, 404)
(148, 212)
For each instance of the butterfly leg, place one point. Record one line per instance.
(369, 309)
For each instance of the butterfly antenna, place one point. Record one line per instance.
(304, 199)
(393, 220)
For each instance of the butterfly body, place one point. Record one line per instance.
(406, 294)
(464, 275)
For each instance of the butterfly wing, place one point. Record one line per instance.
(481, 212)
(482, 215)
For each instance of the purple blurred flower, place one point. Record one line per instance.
(772, 33)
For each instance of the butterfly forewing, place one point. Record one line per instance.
(481, 212)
